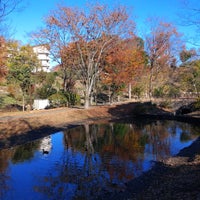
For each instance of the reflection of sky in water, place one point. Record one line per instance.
(65, 172)
(176, 143)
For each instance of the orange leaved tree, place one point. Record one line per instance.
(3, 56)
(91, 32)
(124, 63)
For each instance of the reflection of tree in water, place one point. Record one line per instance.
(5, 155)
(25, 152)
(16, 154)
(79, 177)
(124, 146)
(82, 138)
(101, 158)
(159, 142)
(195, 130)
(188, 132)
(159, 133)
(96, 158)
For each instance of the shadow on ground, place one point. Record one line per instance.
(137, 109)
(148, 110)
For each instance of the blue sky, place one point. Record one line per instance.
(31, 17)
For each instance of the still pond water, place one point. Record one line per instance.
(88, 160)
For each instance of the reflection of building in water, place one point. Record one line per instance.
(46, 145)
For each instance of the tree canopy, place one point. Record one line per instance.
(162, 45)
(21, 64)
(92, 33)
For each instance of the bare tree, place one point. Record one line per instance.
(7, 7)
(190, 17)
(162, 46)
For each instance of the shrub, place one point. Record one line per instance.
(72, 98)
(137, 91)
(197, 104)
(45, 92)
(158, 92)
(58, 100)
(173, 92)
(12, 108)
(6, 100)
(64, 99)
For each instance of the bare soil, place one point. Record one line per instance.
(16, 123)
(19, 127)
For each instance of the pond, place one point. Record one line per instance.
(90, 160)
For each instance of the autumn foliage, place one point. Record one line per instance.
(97, 47)
(124, 63)
(90, 34)
(3, 56)
(161, 44)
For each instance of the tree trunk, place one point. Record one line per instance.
(118, 98)
(87, 100)
(150, 84)
(109, 95)
(129, 91)
(196, 90)
(23, 104)
(65, 82)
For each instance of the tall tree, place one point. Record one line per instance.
(93, 32)
(21, 63)
(123, 64)
(188, 78)
(3, 56)
(161, 45)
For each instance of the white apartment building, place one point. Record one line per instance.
(43, 56)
